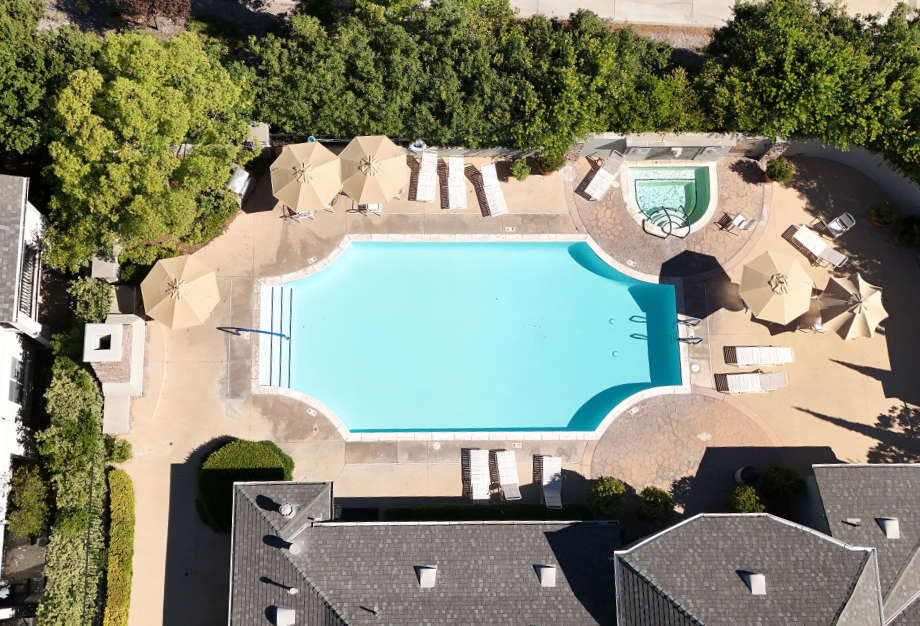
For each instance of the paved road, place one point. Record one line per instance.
(683, 12)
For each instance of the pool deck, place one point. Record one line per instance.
(845, 400)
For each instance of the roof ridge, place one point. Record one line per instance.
(852, 587)
(677, 605)
(287, 555)
(900, 575)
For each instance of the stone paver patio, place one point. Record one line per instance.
(198, 381)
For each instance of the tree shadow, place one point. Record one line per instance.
(896, 432)
(749, 171)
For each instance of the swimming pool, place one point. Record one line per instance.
(680, 190)
(424, 336)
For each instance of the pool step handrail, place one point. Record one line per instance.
(690, 321)
(665, 220)
(690, 340)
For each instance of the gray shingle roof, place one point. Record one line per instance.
(866, 492)
(690, 574)
(13, 194)
(485, 570)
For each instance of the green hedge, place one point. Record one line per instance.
(121, 548)
(474, 512)
(237, 461)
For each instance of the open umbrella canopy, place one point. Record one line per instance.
(180, 292)
(306, 176)
(776, 288)
(374, 169)
(852, 309)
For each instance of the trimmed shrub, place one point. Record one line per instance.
(520, 169)
(119, 450)
(781, 170)
(744, 499)
(779, 487)
(606, 497)
(883, 214)
(237, 461)
(473, 512)
(29, 500)
(121, 548)
(550, 162)
(656, 506)
(906, 231)
(92, 299)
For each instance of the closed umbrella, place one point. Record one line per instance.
(852, 309)
(374, 169)
(306, 176)
(180, 292)
(776, 288)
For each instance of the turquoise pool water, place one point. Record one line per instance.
(478, 336)
(682, 189)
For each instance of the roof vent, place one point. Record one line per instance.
(756, 582)
(284, 616)
(426, 575)
(546, 574)
(890, 527)
(296, 548)
(287, 510)
(853, 521)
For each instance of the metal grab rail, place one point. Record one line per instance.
(690, 340)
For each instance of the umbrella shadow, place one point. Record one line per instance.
(706, 285)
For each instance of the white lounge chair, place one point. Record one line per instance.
(816, 247)
(480, 480)
(456, 183)
(375, 208)
(751, 382)
(604, 177)
(507, 474)
(840, 224)
(759, 355)
(551, 477)
(492, 191)
(427, 176)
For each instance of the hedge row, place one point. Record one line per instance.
(121, 548)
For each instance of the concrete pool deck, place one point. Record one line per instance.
(199, 380)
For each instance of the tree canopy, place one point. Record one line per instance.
(33, 66)
(114, 169)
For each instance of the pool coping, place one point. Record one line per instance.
(633, 207)
(316, 265)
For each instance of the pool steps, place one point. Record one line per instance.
(275, 315)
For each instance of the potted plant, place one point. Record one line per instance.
(520, 169)
(905, 231)
(780, 169)
(549, 163)
(882, 214)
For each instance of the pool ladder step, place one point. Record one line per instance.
(275, 315)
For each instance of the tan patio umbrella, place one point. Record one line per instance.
(180, 292)
(853, 310)
(306, 176)
(374, 169)
(776, 288)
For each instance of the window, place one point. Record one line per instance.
(17, 381)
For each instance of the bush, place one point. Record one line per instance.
(119, 450)
(520, 169)
(656, 506)
(92, 299)
(883, 214)
(239, 460)
(29, 500)
(779, 487)
(781, 170)
(550, 162)
(744, 499)
(473, 512)
(121, 548)
(606, 497)
(906, 231)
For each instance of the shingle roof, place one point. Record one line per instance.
(867, 492)
(690, 574)
(13, 195)
(361, 573)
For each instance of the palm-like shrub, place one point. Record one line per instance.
(781, 170)
(744, 499)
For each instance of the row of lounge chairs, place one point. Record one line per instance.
(754, 382)
(479, 476)
(485, 181)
